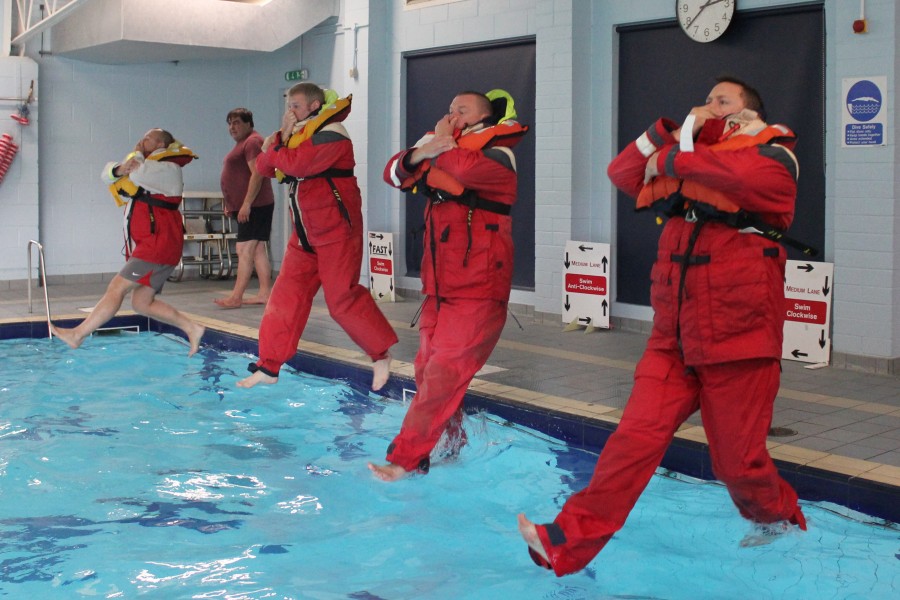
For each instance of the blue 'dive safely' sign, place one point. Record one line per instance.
(864, 113)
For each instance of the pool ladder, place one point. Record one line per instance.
(43, 283)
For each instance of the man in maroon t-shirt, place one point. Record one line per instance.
(249, 196)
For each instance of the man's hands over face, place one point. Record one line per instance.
(439, 143)
(447, 125)
(287, 125)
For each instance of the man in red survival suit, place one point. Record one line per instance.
(313, 154)
(150, 181)
(468, 173)
(717, 291)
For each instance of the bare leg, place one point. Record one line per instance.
(263, 272)
(388, 472)
(245, 252)
(530, 535)
(381, 372)
(145, 302)
(258, 377)
(105, 310)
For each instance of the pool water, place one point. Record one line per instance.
(128, 470)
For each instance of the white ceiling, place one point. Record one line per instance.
(141, 31)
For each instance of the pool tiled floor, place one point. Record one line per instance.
(830, 418)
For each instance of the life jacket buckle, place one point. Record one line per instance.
(690, 215)
(437, 195)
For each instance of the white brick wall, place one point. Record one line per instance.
(93, 113)
(861, 189)
(19, 188)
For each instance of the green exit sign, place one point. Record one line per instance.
(296, 75)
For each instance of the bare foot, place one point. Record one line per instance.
(381, 372)
(257, 299)
(228, 302)
(258, 377)
(388, 472)
(195, 334)
(530, 535)
(72, 339)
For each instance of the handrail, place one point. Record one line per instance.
(43, 281)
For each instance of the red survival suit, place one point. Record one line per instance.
(325, 248)
(154, 230)
(718, 300)
(466, 276)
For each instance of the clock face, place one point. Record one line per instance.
(704, 20)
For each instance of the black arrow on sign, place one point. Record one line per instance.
(826, 289)
(584, 248)
(567, 305)
(798, 354)
(807, 267)
(604, 305)
(380, 295)
(376, 235)
(392, 284)
(604, 261)
(822, 339)
(371, 282)
(586, 320)
(567, 263)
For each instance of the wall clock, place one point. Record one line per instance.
(704, 20)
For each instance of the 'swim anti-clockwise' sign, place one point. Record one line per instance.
(586, 275)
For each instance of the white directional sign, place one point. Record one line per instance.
(585, 298)
(381, 266)
(808, 288)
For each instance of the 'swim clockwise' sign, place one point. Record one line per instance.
(381, 266)
(808, 289)
(586, 276)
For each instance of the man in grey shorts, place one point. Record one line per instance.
(151, 179)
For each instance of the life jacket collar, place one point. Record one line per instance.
(123, 189)
(508, 134)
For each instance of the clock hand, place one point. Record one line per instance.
(704, 7)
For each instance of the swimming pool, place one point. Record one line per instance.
(180, 485)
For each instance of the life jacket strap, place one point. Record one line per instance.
(745, 221)
(148, 199)
(298, 220)
(328, 175)
(705, 259)
(469, 199)
(473, 202)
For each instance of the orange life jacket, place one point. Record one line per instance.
(506, 134)
(662, 187)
